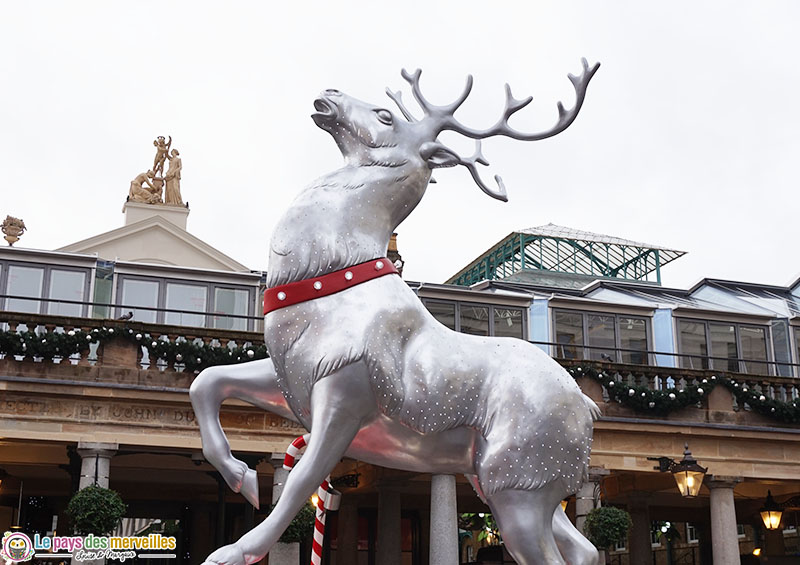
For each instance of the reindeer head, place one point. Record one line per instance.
(369, 134)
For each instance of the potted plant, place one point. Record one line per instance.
(606, 526)
(95, 510)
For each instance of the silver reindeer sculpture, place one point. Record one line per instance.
(357, 359)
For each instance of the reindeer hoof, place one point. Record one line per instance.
(249, 489)
(226, 555)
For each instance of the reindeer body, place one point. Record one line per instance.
(373, 375)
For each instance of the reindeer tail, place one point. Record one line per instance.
(594, 409)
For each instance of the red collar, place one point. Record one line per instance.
(307, 289)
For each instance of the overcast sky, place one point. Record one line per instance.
(687, 138)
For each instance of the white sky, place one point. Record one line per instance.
(687, 137)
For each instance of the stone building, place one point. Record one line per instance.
(115, 414)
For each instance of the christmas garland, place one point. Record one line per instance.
(197, 356)
(61, 345)
(662, 402)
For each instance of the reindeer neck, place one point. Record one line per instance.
(342, 219)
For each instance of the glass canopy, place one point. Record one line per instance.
(560, 249)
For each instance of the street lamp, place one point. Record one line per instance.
(687, 473)
(771, 513)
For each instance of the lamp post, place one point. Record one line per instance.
(688, 473)
(771, 513)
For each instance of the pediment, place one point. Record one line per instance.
(155, 240)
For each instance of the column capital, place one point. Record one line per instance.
(276, 459)
(596, 474)
(722, 481)
(91, 448)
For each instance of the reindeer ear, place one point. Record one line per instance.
(437, 155)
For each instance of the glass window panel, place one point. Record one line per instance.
(602, 337)
(24, 281)
(230, 301)
(508, 322)
(103, 277)
(140, 293)
(474, 319)
(797, 351)
(633, 337)
(723, 345)
(66, 285)
(185, 297)
(569, 335)
(692, 341)
(443, 312)
(754, 349)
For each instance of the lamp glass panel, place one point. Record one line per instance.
(689, 482)
(771, 519)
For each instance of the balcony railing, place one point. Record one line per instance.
(584, 351)
(123, 350)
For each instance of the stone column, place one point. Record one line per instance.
(347, 537)
(584, 498)
(281, 553)
(389, 534)
(95, 463)
(95, 469)
(444, 520)
(639, 537)
(724, 541)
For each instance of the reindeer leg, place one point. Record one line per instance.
(525, 518)
(254, 382)
(573, 546)
(340, 403)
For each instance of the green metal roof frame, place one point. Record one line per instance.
(563, 250)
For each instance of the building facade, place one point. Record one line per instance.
(716, 366)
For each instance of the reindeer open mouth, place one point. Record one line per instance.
(325, 111)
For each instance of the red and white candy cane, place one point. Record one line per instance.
(326, 499)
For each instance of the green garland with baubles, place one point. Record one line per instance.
(62, 345)
(662, 402)
(197, 356)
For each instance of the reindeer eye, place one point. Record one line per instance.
(385, 116)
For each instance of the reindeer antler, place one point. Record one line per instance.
(565, 117)
(442, 118)
(478, 158)
(437, 113)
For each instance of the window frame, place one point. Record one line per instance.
(208, 315)
(491, 310)
(769, 361)
(44, 296)
(648, 330)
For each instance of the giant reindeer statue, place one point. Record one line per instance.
(357, 359)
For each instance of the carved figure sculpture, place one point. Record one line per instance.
(162, 150)
(12, 228)
(172, 193)
(372, 374)
(149, 195)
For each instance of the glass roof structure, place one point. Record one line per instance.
(559, 249)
